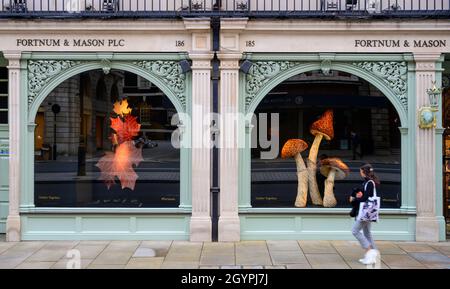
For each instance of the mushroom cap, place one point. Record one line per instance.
(324, 125)
(341, 168)
(293, 147)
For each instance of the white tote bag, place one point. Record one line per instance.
(370, 209)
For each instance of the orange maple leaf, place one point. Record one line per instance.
(120, 164)
(121, 108)
(126, 130)
(106, 166)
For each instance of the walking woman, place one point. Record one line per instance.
(361, 229)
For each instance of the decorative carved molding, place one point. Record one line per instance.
(169, 72)
(40, 72)
(261, 73)
(106, 66)
(325, 66)
(394, 74)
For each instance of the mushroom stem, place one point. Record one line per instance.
(312, 170)
(329, 201)
(315, 148)
(302, 187)
(313, 187)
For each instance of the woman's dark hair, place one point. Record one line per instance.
(369, 173)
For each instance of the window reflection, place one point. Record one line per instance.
(143, 168)
(365, 127)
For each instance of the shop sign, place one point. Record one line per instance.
(416, 43)
(75, 42)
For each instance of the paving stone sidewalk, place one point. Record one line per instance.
(240, 255)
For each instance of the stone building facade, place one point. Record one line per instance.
(202, 67)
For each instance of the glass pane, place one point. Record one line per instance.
(365, 126)
(3, 102)
(3, 73)
(3, 87)
(3, 117)
(109, 157)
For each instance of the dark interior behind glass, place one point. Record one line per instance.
(358, 107)
(58, 183)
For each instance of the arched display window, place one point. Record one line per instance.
(113, 154)
(322, 128)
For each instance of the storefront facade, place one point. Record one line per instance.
(374, 74)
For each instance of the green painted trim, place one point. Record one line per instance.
(439, 131)
(105, 211)
(26, 155)
(185, 151)
(339, 211)
(322, 227)
(3, 61)
(105, 227)
(244, 141)
(408, 143)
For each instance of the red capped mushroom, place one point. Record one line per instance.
(333, 169)
(322, 128)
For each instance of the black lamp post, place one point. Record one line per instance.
(81, 171)
(55, 109)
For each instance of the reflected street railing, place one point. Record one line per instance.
(224, 8)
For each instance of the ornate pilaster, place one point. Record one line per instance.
(15, 121)
(427, 224)
(201, 151)
(229, 224)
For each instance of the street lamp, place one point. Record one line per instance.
(55, 109)
(427, 114)
(433, 94)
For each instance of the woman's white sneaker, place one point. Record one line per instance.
(370, 258)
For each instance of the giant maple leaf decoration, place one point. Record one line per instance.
(126, 156)
(106, 166)
(120, 165)
(121, 108)
(126, 130)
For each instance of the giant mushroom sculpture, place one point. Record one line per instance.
(322, 128)
(293, 149)
(333, 169)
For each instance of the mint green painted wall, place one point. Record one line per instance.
(3, 178)
(321, 227)
(4, 171)
(105, 227)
